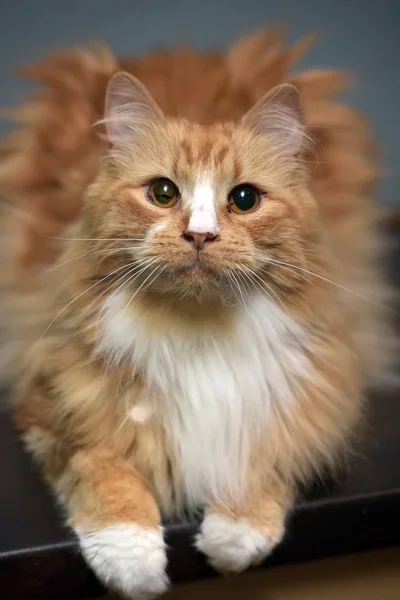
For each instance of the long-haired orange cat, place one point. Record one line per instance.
(188, 342)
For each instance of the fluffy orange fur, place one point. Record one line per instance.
(92, 419)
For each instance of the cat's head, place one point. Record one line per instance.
(203, 211)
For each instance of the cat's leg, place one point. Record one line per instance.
(118, 524)
(109, 505)
(112, 511)
(237, 536)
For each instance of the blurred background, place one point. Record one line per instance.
(359, 35)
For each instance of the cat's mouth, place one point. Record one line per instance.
(194, 278)
(197, 270)
(195, 265)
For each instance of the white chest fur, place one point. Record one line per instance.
(212, 393)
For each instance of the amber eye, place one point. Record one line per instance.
(163, 192)
(244, 199)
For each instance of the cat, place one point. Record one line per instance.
(176, 290)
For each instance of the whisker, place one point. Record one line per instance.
(157, 271)
(131, 266)
(342, 287)
(157, 275)
(233, 278)
(106, 251)
(244, 279)
(114, 239)
(258, 285)
(263, 286)
(137, 272)
(71, 302)
(264, 283)
(272, 290)
(233, 288)
(128, 277)
(121, 426)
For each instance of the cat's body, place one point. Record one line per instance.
(196, 354)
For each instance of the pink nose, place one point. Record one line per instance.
(199, 240)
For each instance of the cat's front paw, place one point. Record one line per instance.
(128, 558)
(234, 545)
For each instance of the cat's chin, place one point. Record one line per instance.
(196, 269)
(197, 282)
(194, 281)
(194, 272)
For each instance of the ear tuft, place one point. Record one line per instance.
(279, 114)
(129, 110)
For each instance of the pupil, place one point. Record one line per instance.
(245, 198)
(164, 192)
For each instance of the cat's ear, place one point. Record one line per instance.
(129, 110)
(279, 114)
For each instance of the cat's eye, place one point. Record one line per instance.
(163, 192)
(244, 199)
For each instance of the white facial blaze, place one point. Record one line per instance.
(203, 217)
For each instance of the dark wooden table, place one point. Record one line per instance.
(360, 511)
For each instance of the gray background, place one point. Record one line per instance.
(361, 35)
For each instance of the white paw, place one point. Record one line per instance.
(128, 558)
(232, 546)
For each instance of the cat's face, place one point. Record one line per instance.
(204, 211)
